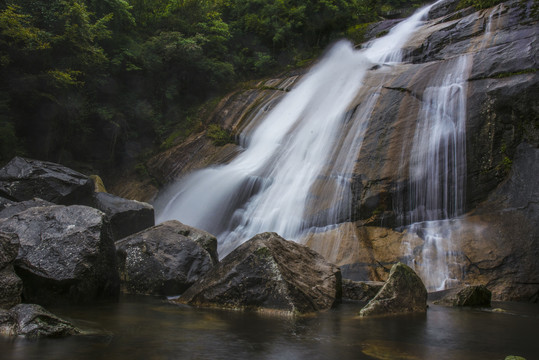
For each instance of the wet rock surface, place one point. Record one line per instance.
(66, 254)
(24, 179)
(33, 322)
(402, 293)
(269, 273)
(360, 290)
(165, 259)
(17, 207)
(10, 283)
(126, 217)
(476, 295)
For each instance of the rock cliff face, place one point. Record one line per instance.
(494, 240)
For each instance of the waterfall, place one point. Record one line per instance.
(269, 186)
(437, 170)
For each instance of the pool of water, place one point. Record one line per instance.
(149, 328)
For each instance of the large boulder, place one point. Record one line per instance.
(403, 292)
(10, 288)
(10, 283)
(17, 207)
(9, 248)
(475, 295)
(269, 273)
(24, 179)
(5, 202)
(165, 259)
(66, 254)
(32, 321)
(126, 217)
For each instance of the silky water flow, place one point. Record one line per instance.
(308, 142)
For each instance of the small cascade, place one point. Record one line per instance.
(295, 149)
(437, 170)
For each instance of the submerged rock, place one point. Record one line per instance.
(32, 321)
(360, 290)
(269, 273)
(403, 292)
(66, 254)
(477, 295)
(165, 259)
(126, 217)
(24, 179)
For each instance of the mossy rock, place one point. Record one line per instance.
(99, 186)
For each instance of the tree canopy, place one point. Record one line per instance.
(97, 83)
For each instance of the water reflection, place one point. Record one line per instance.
(147, 328)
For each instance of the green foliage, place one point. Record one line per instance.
(357, 32)
(102, 81)
(218, 135)
(478, 4)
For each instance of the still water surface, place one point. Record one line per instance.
(149, 328)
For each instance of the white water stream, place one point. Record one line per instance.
(267, 186)
(437, 170)
(295, 171)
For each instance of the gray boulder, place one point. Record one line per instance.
(17, 207)
(201, 237)
(9, 248)
(10, 288)
(165, 259)
(32, 321)
(24, 179)
(66, 254)
(403, 292)
(126, 217)
(360, 290)
(8, 323)
(476, 295)
(5, 202)
(269, 273)
(10, 283)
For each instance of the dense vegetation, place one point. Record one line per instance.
(94, 84)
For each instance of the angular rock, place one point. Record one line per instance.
(66, 254)
(403, 292)
(5, 202)
(10, 283)
(360, 290)
(477, 295)
(165, 259)
(201, 237)
(10, 288)
(24, 179)
(8, 323)
(126, 217)
(33, 322)
(269, 273)
(21, 206)
(9, 248)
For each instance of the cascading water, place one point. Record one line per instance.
(437, 169)
(268, 186)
